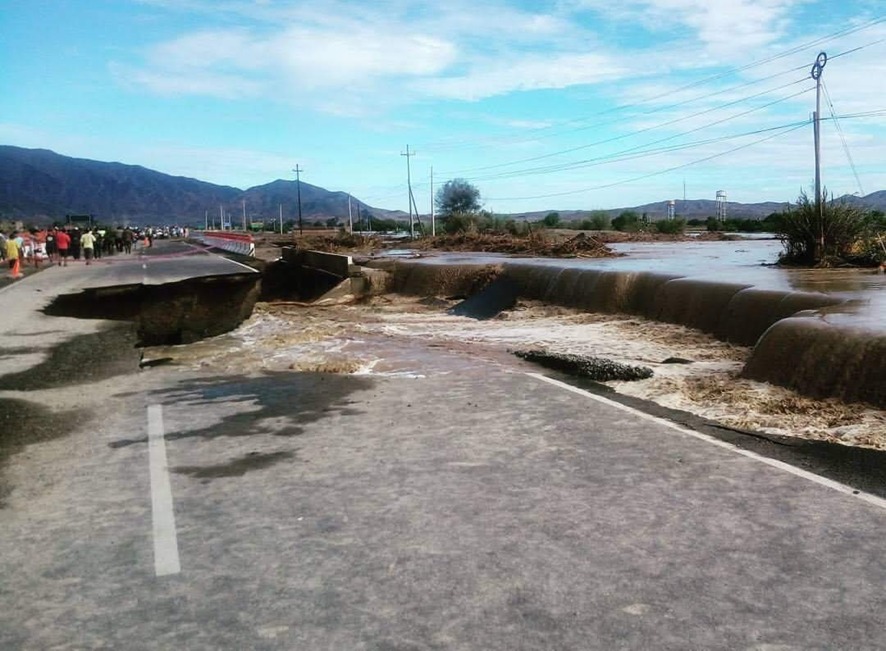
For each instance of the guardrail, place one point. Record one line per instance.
(240, 243)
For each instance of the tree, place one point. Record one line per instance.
(551, 220)
(627, 221)
(674, 226)
(599, 220)
(457, 197)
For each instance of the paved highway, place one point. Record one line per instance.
(489, 509)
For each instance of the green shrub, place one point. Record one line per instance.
(628, 221)
(671, 226)
(811, 237)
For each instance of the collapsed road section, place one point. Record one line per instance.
(173, 313)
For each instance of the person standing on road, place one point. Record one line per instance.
(99, 242)
(51, 250)
(13, 255)
(87, 243)
(63, 245)
(75, 243)
(128, 236)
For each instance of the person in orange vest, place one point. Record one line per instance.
(14, 255)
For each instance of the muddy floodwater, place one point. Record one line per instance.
(749, 261)
(415, 336)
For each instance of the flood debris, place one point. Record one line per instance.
(598, 369)
(536, 244)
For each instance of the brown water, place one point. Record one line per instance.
(748, 262)
(821, 332)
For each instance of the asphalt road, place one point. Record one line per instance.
(489, 509)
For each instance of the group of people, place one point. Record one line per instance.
(59, 244)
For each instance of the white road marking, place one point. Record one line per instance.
(781, 465)
(166, 559)
(245, 266)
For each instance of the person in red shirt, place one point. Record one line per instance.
(63, 243)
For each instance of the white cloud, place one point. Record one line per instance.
(380, 51)
(487, 78)
(723, 28)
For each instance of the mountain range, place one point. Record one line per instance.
(39, 185)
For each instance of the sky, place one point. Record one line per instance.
(565, 105)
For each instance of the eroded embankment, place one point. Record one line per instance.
(799, 352)
(173, 313)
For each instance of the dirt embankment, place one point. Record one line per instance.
(553, 243)
(558, 244)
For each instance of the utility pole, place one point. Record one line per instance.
(281, 219)
(350, 217)
(244, 215)
(817, 70)
(433, 223)
(298, 171)
(409, 184)
(205, 220)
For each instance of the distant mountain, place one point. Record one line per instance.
(40, 185)
(703, 208)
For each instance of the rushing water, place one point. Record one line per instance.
(819, 331)
(746, 261)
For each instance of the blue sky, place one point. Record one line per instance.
(575, 104)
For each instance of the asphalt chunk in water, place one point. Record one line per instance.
(235, 467)
(23, 423)
(598, 369)
(85, 358)
(495, 298)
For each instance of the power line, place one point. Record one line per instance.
(799, 48)
(468, 171)
(625, 155)
(571, 165)
(645, 129)
(651, 174)
(827, 96)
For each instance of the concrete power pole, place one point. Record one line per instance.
(433, 212)
(409, 185)
(298, 171)
(817, 70)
